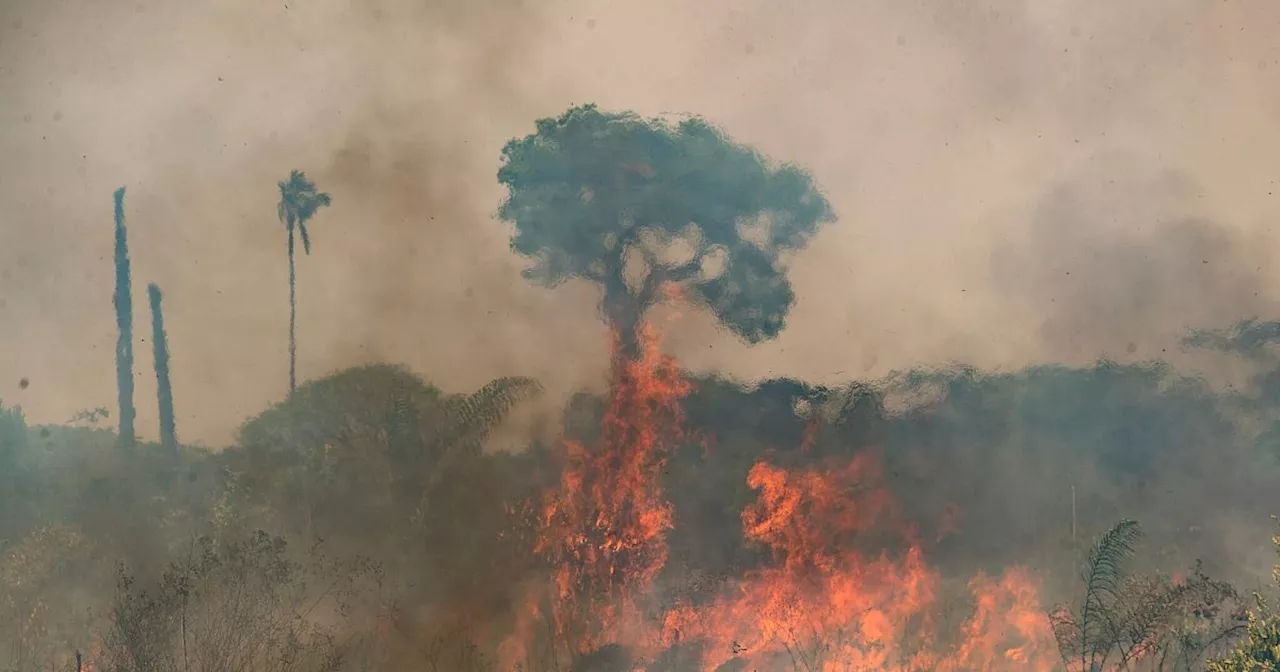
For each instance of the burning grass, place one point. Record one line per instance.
(821, 602)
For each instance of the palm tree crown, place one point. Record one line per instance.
(299, 201)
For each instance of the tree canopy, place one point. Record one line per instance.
(632, 204)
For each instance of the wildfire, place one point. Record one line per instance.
(604, 526)
(819, 604)
(822, 606)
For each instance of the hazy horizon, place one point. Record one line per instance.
(1015, 182)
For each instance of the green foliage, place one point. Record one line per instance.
(1259, 649)
(349, 409)
(89, 416)
(371, 443)
(993, 441)
(15, 481)
(472, 417)
(1153, 619)
(1249, 338)
(1090, 634)
(1175, 624)
(631, 203)
(317, 462)
(377, 459)
(1259, 652)
(299, 202)
(453, 450)
(1126, 417)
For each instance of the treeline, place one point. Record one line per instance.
(376, 473)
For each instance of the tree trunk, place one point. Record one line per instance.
(123, 302)
(164, 388)
(624, 312)
(293, 317)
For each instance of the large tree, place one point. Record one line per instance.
(299, 201)
(633, 204)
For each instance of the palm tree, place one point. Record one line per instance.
(299, 201)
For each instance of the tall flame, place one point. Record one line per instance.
(818, 604)
(604, 526)
(822, 606)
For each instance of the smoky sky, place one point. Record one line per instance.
(975, 152)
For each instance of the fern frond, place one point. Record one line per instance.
(469, 421)
(1104, 570)
(473, 417)
(1103, 574)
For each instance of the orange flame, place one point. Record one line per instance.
(819, 604)
(1008, 629)
(604, 527)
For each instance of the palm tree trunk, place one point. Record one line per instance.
(164, 387)
(293, 317)
(123, 301)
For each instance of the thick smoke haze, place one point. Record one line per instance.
(1016, 181)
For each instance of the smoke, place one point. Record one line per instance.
(1016, 183)
(395, 108)
(1121, 265)
(966, 147)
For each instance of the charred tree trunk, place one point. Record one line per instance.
(624, 310)
(123, 302)
(164, 388)
(626, 321)
(293, 316)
